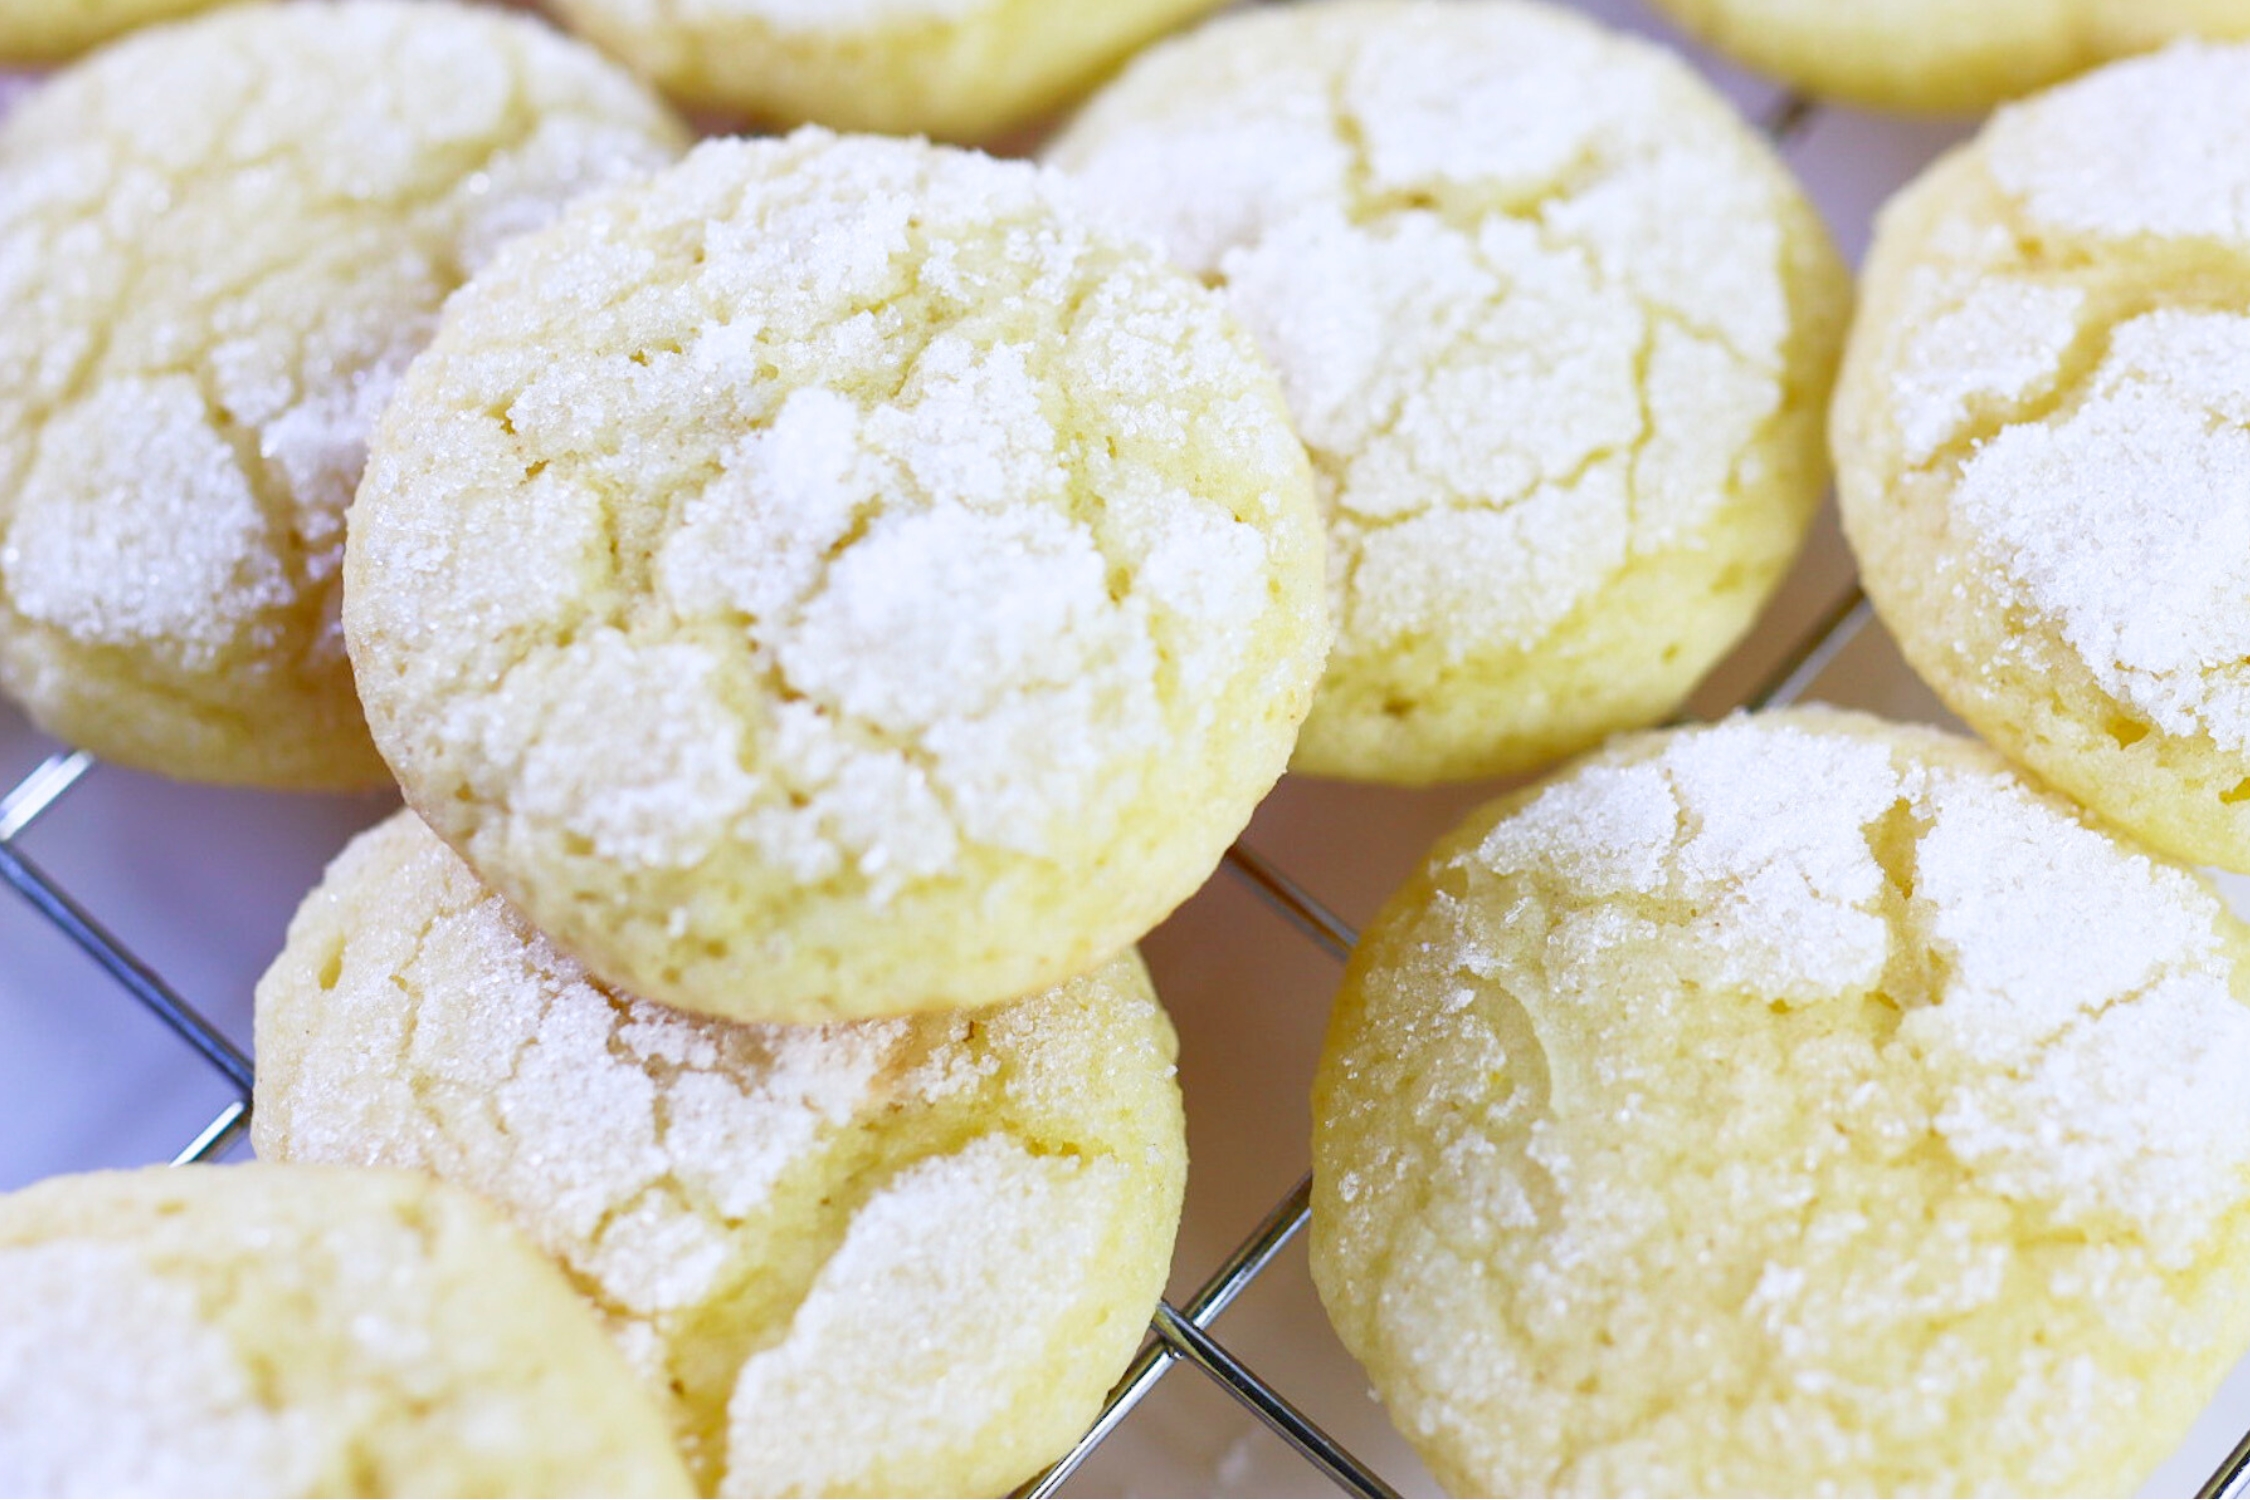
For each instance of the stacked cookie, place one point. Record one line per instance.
(826, 581)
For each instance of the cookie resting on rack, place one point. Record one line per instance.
(2041, 454)
(1557, 327)
(881, 1257)
(1797, 1105)
(220, 242)
(279, 1330)
(49, 31)
(1944, 54)
(835, 579)
(961, 70)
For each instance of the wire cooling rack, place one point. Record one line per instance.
(1181, 1332)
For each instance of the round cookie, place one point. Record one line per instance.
(220, 243)
(2040, 455)
(834, 580)
(962, 70)
(1557, 328)
(1799, 1105)
(883, 1257)
(1942, 54)
(274, 1330)
(46, 31)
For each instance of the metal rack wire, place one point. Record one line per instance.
(1177, 1334)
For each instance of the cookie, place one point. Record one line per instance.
(2039, 441)
(1799, 1105)
(1556, 326)
(882, 1257)
(1940, 54)
(275, 1330)
(220, 242)
(835, 579)
(962, 70)
(47, 31)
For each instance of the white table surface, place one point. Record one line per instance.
(200, 883)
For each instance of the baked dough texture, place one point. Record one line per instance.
(1801, 1105)
(1944, 54)
(883, 1257)
(2040, 441)
(278, 1330)
(48, 31)
(220, 242)
(834, 580)
(961, 70)
(1557, 328)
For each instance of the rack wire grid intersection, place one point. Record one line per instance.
(1176, 1334)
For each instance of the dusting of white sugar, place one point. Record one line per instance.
(929, 1240)
(924, 523)
(1522, 287)
(699, 1178)
(2071, 990)
(2150, 146)
(2001, 340)
(1793, 1102)
(220, 244)
(113, 1381)
(2123, 520)
(623, 1135)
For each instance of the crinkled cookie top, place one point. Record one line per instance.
(220, 243)
(1523, 280)
(834, 522)
(1796, 1102)
(2069, 371)
(282, 1330)
(857, 1256)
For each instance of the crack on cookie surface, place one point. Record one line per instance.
(1869, 1070)
(700, 1180)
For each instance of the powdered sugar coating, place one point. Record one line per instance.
(76, 1324)
(2147, 147)
(1799, 1102)
(2139, 484)
(803, 1402)
(843, 553)
(1547, 317)
(2040, 446)
(299, 1331)
(857, 1257)
(219, 246)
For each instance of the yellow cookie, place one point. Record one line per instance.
(883, 1257)
(220, 242)
(1944, 54)
(45, 31)
(835, 579)
(962, 70)
(2040, 447)
(1557, 328)
(271, 1330)
(1799, 1105)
